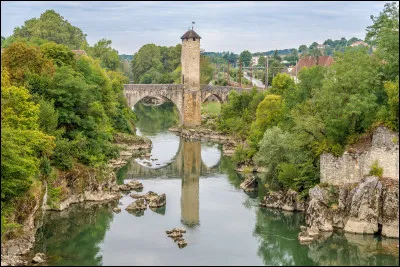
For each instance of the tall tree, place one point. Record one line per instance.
(384, 33)
(52, 26)
(245, 57)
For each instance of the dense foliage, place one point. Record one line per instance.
(57, 107)
(287, 129)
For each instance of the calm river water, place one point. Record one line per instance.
(225, 226)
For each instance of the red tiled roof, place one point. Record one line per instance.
(312, 61)
(79, 52)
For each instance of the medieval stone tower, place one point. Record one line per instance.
(190, 59)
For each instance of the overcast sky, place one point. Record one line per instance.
(223, 26)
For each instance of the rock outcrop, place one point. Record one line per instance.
(39, 258)
(362, 208)
(157, 201)
(137, 205)
(177, 235)
(249, 184)
(131, 185)
(286, 200)
(84, 184)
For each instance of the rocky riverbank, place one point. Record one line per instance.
(369, 207)
(130, 146)
(77, 185)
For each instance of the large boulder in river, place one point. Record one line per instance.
(137, 205)
(157, 201)
(364, 207)
(249, 184)
(131, 185)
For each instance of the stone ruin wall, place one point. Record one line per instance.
(352, 167)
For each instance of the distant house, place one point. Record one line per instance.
(358, 43)
(79, 52)
(255, 60)
(308, 62)
(320, 46)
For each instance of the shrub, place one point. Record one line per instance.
(376, 170)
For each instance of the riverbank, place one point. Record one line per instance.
(349, 196)
(203, 133)
(80, 184)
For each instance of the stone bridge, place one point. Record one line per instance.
(190, 94)
(175, 93)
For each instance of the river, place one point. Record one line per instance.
(225, 226)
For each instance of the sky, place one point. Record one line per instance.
(223, 25)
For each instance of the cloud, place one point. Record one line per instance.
(234, 26)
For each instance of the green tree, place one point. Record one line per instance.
(303, 48)
(53, 27)
(384, 33)
(245, 57)
(268, 114)
(261, 61)
(108, 56)
(58, 53)
(22, 60)
(281, 83)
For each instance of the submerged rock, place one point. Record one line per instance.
(249, 184)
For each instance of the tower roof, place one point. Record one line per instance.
(190, 34)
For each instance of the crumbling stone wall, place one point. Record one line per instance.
(351, 167)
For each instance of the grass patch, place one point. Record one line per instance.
(213, 108)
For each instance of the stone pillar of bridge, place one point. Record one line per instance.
(190, 60)
(191, 157)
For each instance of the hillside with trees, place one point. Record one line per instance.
(58, 110)
(286, 128)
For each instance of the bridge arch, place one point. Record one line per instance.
(212, 94)
(172, 92)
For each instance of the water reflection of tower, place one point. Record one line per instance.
(191, 155)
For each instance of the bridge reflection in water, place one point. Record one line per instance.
(186, 165)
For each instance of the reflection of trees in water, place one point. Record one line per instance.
(73, 236)
(277, 234)
(153, 119)
(227, 166)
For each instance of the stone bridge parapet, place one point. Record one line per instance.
(176, 93)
